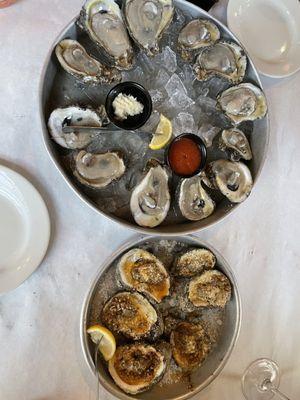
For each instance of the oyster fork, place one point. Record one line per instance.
(96, 360)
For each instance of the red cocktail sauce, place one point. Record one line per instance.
(184, 157)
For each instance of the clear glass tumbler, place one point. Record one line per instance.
(6, 3)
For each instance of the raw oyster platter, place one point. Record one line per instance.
(200, 81)
(174, 309)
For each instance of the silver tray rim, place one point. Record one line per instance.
(172, 230)
(137, 240)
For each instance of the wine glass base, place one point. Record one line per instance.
(258, 379)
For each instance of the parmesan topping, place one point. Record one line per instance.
(126, 106)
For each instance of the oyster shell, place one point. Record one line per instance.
(196, 34)
(233, 179)
(194, 262)
(211, 289)
(98, 170)
(244, 102)
(73, 115)
(75, 60)
(150, 200)
(194, 202)
(147, 20)
(103, 21)
(224, 59)
(131, 315)
(136, 367)
(235, 142)
(190, 345)
(142, 271)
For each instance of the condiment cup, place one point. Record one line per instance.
(141, 94)
(203, 151)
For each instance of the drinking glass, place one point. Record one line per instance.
(261, 381)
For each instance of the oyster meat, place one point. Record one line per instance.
(76, 116)
(136, 367)
(131, 315)
(233, 179)
(98, 170)
(194, 202)
(147, 20)
(190, 345)
(196, 34)
(235, 142)
(244, 102)
(224, 59)
(103, 21)
(142, 271)
(75, 60)
(194, 262)
(211, 289)
(150, 200)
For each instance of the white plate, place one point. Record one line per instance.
(270, 31)
(24, 229)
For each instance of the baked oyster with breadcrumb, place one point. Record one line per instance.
(136, 367)
(194, 262)
(143, 272)
(132, 316)
(211, 289)
(190, 345)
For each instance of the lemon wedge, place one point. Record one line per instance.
(105, 339)
(162, 134)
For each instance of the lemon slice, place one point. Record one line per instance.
(105, 339)
(162, 134)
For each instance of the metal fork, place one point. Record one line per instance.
(96, 359)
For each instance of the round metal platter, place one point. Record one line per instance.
(57, 89)
(104, 286)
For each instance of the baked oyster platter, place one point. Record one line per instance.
(173, 308)
(180, 143)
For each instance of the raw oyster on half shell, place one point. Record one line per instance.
(194, 262)
(75, 60)
(224, 59)
(75, 116)
(190, 345)
(150, 200)
(98, 170)
(147, 20)
(233, 179)
(235, 142)
(194, 202)
(244, 102)
(136, 367)
(103, 21)
(196, 34)
(143, 272)
(131, 315)
(211, 289)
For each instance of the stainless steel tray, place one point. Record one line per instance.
(99, 293)
(51, 96)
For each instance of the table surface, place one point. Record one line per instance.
(41, 356)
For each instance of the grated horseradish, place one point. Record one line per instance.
(126, 106)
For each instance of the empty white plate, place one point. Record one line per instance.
(270, 31)
(24, 229)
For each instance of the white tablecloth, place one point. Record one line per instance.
(40, 354)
